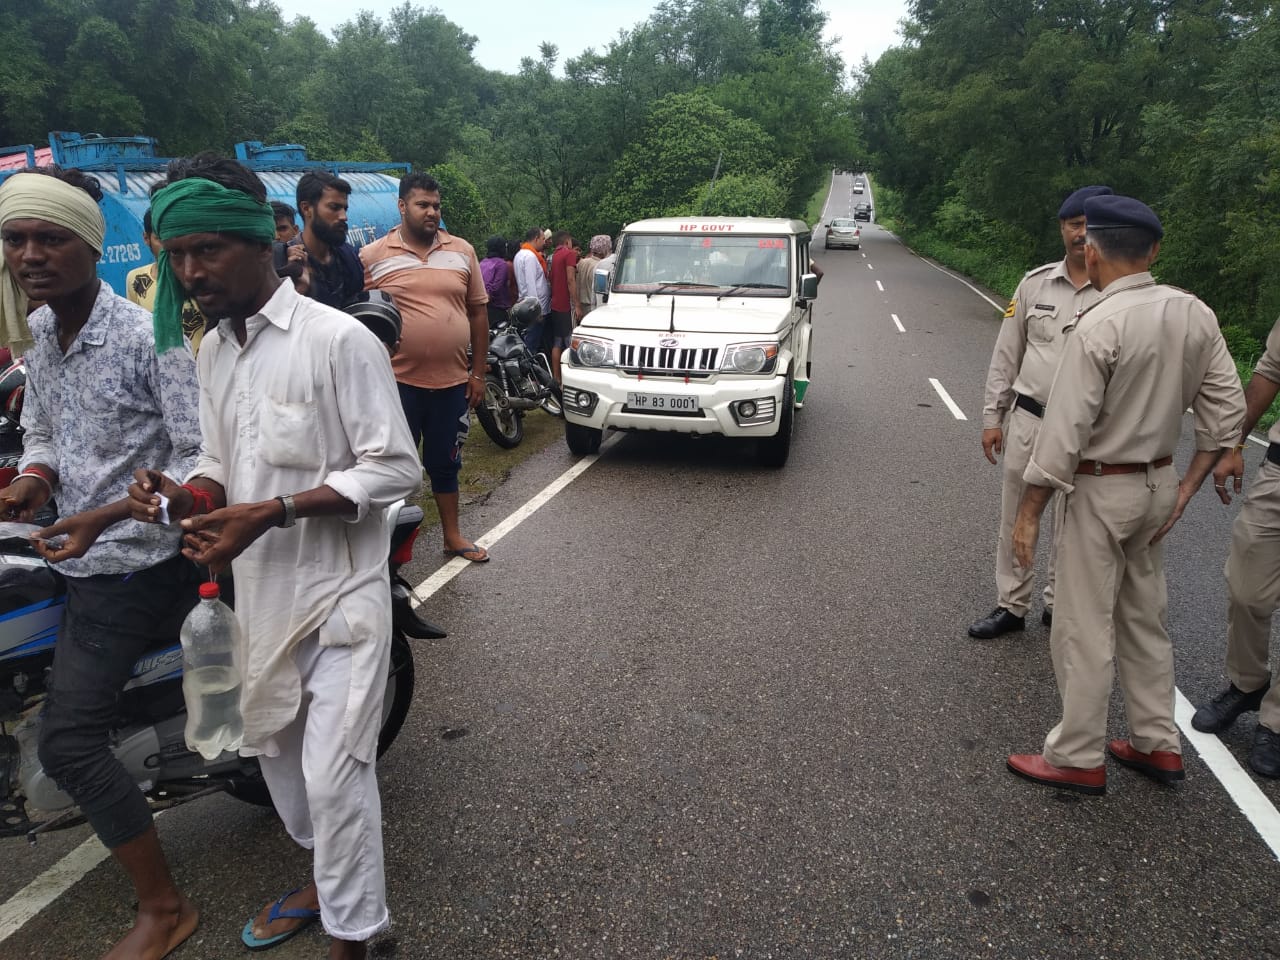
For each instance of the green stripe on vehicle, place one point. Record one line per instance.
(801, 386)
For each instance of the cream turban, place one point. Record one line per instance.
(36, 196)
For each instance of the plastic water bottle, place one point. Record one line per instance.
(210, 677)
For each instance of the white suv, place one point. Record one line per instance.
(706, 328)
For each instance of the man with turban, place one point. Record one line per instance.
(99, 402)
(304, 449)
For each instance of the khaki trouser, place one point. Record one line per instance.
(1253, 586)
(1013, 585)
(1111, 603)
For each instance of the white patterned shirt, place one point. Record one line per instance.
(106, 407)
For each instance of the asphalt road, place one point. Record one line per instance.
(694, 709)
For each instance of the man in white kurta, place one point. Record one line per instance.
(309, 400)
(304, 448)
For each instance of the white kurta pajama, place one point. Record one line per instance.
(310, 400)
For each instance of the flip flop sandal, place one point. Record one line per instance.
(470, 548)
(278, 912)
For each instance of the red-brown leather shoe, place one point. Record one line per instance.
(1162, 765)
(1034, 767)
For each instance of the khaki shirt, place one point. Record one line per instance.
(1269, 367)
(1027, 350)
(1136, 361)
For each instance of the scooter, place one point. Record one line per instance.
(149, 738)
(516, 379)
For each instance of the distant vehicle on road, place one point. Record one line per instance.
(858, 188)
(862, 212)
(843, 233)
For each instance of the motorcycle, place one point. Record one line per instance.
(149, 738)
(516, 379)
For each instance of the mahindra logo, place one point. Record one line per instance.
(668, 342)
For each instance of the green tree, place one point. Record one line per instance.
(684, 139)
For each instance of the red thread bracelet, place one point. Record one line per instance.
(39, 473)
(201, 500)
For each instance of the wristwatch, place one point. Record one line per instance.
(290, 511)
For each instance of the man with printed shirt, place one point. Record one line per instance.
(1023, 363)
(1135, 362)
(1253, 579)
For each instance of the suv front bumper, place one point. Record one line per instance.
(719, 402)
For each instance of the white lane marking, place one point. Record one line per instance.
(870, 267)
(486, 540)
(864, 256)
(1253, 803)
(946, 398)
(49, 886)
(961, 279)
(898, 323)
(880, 286)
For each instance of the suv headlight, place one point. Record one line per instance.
(750, 358)
(591, 352)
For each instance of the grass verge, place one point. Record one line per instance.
(485, 465)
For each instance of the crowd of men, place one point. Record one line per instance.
(230, 387)
(229, 395)
(1092, 370)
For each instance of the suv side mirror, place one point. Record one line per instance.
(600, 281)
(809, 286)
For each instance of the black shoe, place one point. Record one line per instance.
(1264, 758)
(999, 622)
(1222, 711)
(1047, 617)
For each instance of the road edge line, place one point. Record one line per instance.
(18, 910)
(1251, 801)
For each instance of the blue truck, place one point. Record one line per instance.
(127, 167)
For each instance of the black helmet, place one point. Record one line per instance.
(13, 384)
(377, 311)
(525, 311)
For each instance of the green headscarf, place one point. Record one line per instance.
(197, 205)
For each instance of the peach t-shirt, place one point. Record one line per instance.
(432, 294)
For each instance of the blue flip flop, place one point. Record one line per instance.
(278, 912)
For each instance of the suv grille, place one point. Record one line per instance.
(677, 361)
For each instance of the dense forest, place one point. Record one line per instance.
(991, 111)
(633, 129)
(973, 128)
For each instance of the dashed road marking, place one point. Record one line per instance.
(898, 323)
(880, 286)
(946, 398)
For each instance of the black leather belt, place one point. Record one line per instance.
(1031, 406)
(1273, 453)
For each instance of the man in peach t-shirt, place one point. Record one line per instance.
(435, 281)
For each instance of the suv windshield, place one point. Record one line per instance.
(700, 264)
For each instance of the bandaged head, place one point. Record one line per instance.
(197, 205)
(37, 196)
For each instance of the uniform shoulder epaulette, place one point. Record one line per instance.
(1179, 289)
(1039, 270)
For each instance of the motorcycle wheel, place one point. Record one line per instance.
(553, 402)
(395, 707)
(504, 426)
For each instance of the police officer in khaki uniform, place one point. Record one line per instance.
(1022, 366)
(1253, 579)
(1137, 359)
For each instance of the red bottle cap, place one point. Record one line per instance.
(209, 591)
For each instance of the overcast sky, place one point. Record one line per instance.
(511, 29)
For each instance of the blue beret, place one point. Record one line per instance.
(1073, 206)
(1109, 212)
